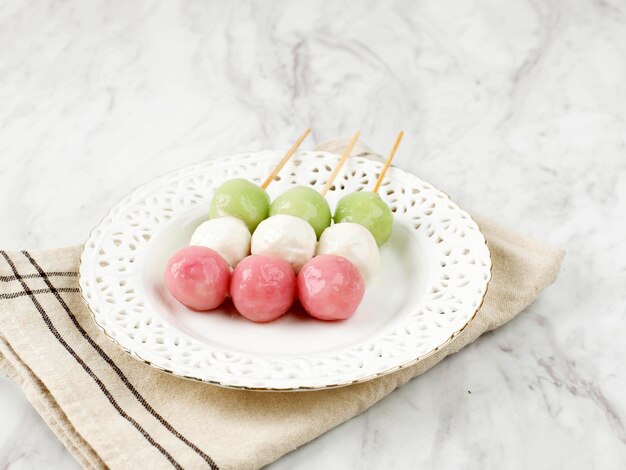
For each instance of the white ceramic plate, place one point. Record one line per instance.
(434, 275)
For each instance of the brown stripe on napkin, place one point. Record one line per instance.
(32, 276)
(13, 295)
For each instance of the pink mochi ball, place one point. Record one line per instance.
(330, 287)
(263, 287)
(198, 277)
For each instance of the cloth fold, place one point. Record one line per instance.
(111, 410)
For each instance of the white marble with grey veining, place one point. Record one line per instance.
(517, 109)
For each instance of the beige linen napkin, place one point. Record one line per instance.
(112, 410)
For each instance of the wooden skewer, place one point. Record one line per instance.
(285, 159)
(388, 162)
(342, 160)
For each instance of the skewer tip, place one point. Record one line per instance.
(286, 158)
(388, 161)
(342, 160)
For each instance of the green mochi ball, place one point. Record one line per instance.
(368, 209)
(241, 198)
(305, 203)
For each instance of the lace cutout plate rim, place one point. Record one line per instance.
(434, 276)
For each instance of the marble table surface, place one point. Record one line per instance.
(517, 109)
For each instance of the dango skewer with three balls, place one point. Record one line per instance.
(286, 239)
(362, 222)
(331, 285)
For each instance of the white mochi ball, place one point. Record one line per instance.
(354, 242)
(287, 237)
(229, 236)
